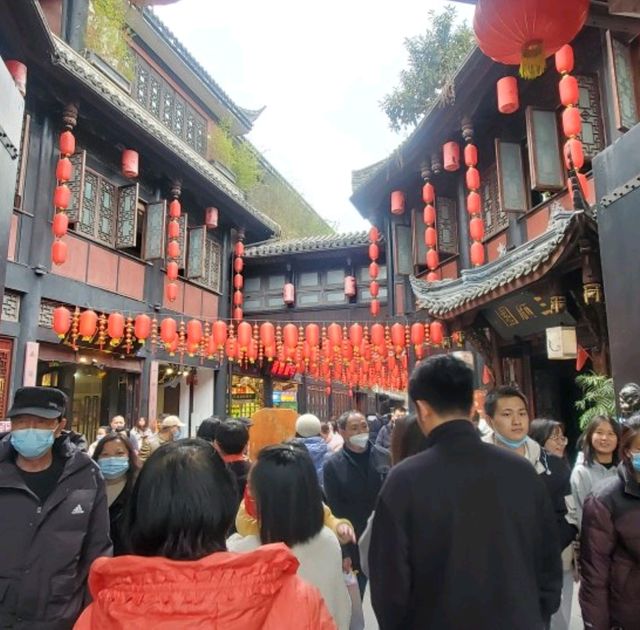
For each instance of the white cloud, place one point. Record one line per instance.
(320, 69)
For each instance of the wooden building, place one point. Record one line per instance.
(541, 269)
(143, 92)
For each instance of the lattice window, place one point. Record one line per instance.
(106, 212)
(495, 219)
(154, 96)
(45, 316)
(86, 224)
(11, 306)
(142, 86)
(591, 113)
(178, 119)
(212, 277)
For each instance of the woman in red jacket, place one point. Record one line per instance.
(610, 590)
(181, 575)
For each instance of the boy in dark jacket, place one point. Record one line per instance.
(54, 516)
(232, 437)
(463, 534)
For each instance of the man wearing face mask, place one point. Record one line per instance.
(54, 514)
(352, 480)
(170, 429)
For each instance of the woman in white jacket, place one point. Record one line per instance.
(284, 485)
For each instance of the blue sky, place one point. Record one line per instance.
(320, 69)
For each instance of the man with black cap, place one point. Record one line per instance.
(55, 519)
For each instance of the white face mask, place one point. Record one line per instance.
(360, 440)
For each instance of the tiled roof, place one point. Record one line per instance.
(307, 244)
(442, 298)
(360, 176)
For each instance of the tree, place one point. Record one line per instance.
(598, 397)
(433, 59)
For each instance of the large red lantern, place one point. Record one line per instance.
(238, 298)
(477, 254)
(219, 334)
(87, 324)
(172, 270)
(171, 291)
(194, 331)
(238, 265)
(334, 333)
(59, 252)
(115, 326)
(377, 335)
(173, 249)
(436, 332)
(64, 169)
(397, 336)
(67, 143)
(526, 32)
(62, 196)
(374, 270)
(142, 327)
(356, 333)
(61, 321)
(244, 335)
(429, 214)
(168, 329)
(175, 209)
(290, 336)
(267, 334)
(417, 334)
(374, 251)
(173, 229)
(569, 90)
(239, 249)
(60, 224)
(374, 289)
(312, 334)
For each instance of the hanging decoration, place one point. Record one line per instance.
(474, 206)
(238, 282)
(397, 202)
(211, 218)
(62, 192)
(173, 244)
(130, 163)
(571, 119)
(18, 72)
(526, 32)
(374, 270)
(451, 156)
(430, 233)
(508, 99)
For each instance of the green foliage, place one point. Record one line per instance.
(282, 204)
(221, 144)
(246, 166)
(433, 59)
(107, 35)
(598, 397)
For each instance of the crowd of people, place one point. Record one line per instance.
(436, 519)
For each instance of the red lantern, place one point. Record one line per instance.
(244, 335)
(211, 217)
(472, 178)
(67, 143)
(130, 163)
(474, 203)
(476, 228)
(433, 259)
(175, 209)
(428, 193)
(171, 291)
(172, 270)
(172, 345)
(571, 122)
(397, 202)
(374, 270)
(290, 336)
(173, 249)
(194, 331)
(374, 251)
(238, 281)
(60, 224)
(173, 230)
(267, 334)
(417, 334)
(238, 265)
(377, 335)
(356, 333)
(61, 321)
(569, 90)
(429, 215)
(237, 313)
(397, 336)
(87, 324)
(62, 196)
(436, 332)
(18, 72)
(237, 298)
(564, 59)
(471, 155)
(526, 32)
(239, 249)
(312, 334)
(451, 152)
(230, 348)
(432, 276)
(430, 237)
(115, 326)
(219, 334)
(374, 308)
(64, 169)
(374, 289)
(477, 254)
(334, 333)
(59, 252)
(142, 327)
(508, 101)
(374, 234)
(350, 286)
(289, 294)
(573, 152)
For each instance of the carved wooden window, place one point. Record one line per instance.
(495, 219)
(196, 254)
(545, 164)
(76, 185)
(107, 209)
(127, 226)
(447, 225)
(403, 258)
(213, 264)
(591, 114)
(204, 259)
(512, 191)
(160, 98)
(625, 106)
(154, 231)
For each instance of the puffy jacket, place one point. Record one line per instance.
(610, 554)
(319, 452)
(46, 550)
(584, 479)
(223, 591)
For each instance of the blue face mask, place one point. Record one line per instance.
(514, 444)
(113, 467)
(32, 443)
(635, 461)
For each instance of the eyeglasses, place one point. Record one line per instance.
(560, 439)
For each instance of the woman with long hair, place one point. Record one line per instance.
(179, 574)
(610, 544)
(284, 485)
(550, 435)
(119, 465)
(599, 459)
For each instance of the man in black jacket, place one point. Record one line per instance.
(54, 515)
(463, 534)
(352, 479)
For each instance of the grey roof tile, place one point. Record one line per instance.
(307, 244)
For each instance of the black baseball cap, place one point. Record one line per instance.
(42, 402)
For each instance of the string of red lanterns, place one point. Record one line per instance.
(430, 233)
(374, 270)
(62, 197)
(238, 278)
(173, 244)
(571, 119)
(474, 205)
(359, 355)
